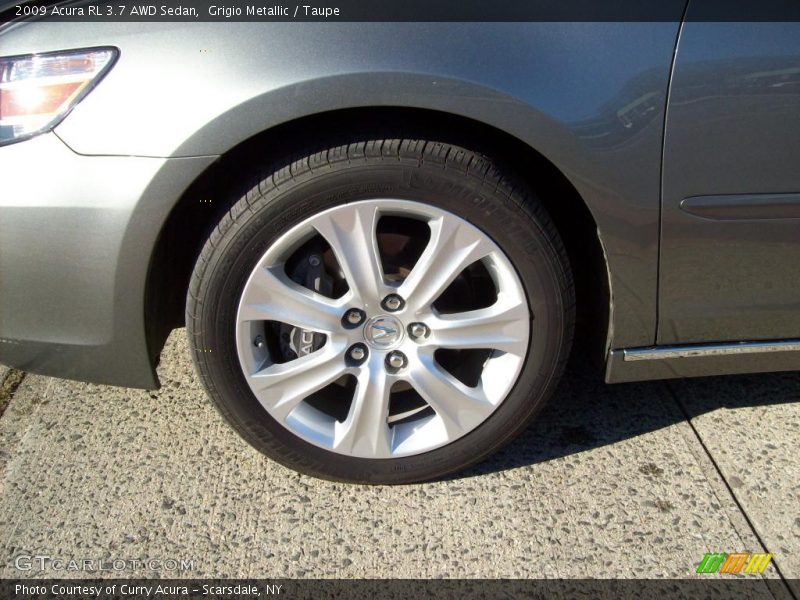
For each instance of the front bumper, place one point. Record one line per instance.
(76, 238)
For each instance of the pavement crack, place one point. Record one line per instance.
(8, 386)
(740, 506)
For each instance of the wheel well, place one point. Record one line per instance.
(204, 203)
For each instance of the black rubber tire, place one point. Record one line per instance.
(444, 175)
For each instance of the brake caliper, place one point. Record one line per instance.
(296, 342)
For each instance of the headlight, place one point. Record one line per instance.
(38, 90)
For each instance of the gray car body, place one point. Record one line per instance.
(82, 207)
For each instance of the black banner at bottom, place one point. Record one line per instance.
(217, 589)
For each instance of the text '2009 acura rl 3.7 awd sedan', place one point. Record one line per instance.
(380, 236)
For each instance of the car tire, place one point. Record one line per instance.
(303, 244)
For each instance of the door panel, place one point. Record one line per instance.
(730, 245)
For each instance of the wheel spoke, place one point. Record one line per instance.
(271, 295)
(502, 326)
(281, 387)
(454, 245)
(352, 236)
(366, 432)
(461, 408)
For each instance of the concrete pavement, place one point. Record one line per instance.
(632, 480)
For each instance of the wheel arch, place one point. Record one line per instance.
(203, 204)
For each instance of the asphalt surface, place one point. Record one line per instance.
(632, 480)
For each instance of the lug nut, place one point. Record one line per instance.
(418, 330)
(393, 302)
(259, 342)
(396, 360)
(354, 316)
(314, 260)
(357, 354)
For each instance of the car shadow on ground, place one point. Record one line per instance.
(585, 413)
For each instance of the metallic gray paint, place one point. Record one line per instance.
(75, 246)
(733, 129)
(588, 96)
(75, 239)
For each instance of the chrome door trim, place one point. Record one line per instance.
(719, 349)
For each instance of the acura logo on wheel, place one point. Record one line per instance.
(383, 331)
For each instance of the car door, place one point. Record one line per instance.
(730, 243)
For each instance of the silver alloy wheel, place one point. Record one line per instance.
(368, 430)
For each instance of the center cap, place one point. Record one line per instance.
(383, 332)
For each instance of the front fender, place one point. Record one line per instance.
(588, 96)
